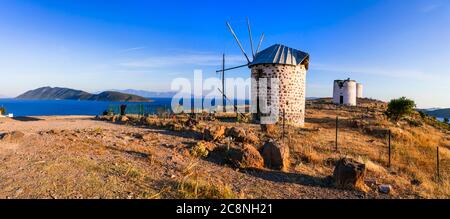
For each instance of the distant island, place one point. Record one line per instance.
(59, 93)
(441, 113)
(148, 94)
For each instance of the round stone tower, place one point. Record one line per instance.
(288, 66)
(359, 90)
(344, 92)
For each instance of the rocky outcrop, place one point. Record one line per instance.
(269, 129)
(246, 156)
(349, 174)
(214, 133)
(12, 136)
(241, 135)
(276, 155)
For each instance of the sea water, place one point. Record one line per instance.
(69, 107)
(84, 107)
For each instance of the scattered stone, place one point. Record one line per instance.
(191, 122)
(150, 121)
(371, 182)
(210, 146)
(385, 189)
(12, 136)
(330, 161)
(124, 119)
(138, 136)
(276, 155)
(215, 133)
(416, 182)
(251, 157)
(114, 118)
(51, 132)
(269, 129)
(239, 134)
(174, 126)
(236, 132)
(252, 138)
(349, 174)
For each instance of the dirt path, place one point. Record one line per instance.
(78, 157)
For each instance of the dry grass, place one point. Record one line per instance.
(199, 189)
(363, 136)
(192, 186)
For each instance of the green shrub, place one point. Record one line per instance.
(422, 114)
(2, 110)
(413, 122)
(199, 150)
(446, 120)
(399, 108)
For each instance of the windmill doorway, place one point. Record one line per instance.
(259, 74)
(341, 100)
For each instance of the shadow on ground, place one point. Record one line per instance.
(26, 118)
(286, 177)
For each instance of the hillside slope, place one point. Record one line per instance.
(58, 93)
(78, 157)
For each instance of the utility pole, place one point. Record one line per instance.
(223, 84)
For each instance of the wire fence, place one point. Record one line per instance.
(139, 109)
(395, 153)
(400, 154)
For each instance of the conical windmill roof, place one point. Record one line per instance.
(280, 54)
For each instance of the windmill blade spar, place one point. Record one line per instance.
(260, 41)
(251, 39)
(237, 40)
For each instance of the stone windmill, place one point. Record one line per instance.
(289, 67)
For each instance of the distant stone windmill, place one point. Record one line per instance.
(287, 65)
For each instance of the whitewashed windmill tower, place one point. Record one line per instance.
(280, 62)
(359, 90)
(344, 92)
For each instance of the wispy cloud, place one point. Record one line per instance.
(132, 71)
(131, 49)
(200, 59)
(393, 73)
(431, 7)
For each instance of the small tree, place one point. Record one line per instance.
(399, 108)
(2, 110)
(446, 120)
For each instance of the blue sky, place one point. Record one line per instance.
(395, 48)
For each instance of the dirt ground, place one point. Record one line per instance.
(78, 157)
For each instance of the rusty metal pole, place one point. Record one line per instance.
(336, 141)
(389, 146)
(437, 163)
(284, 113)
